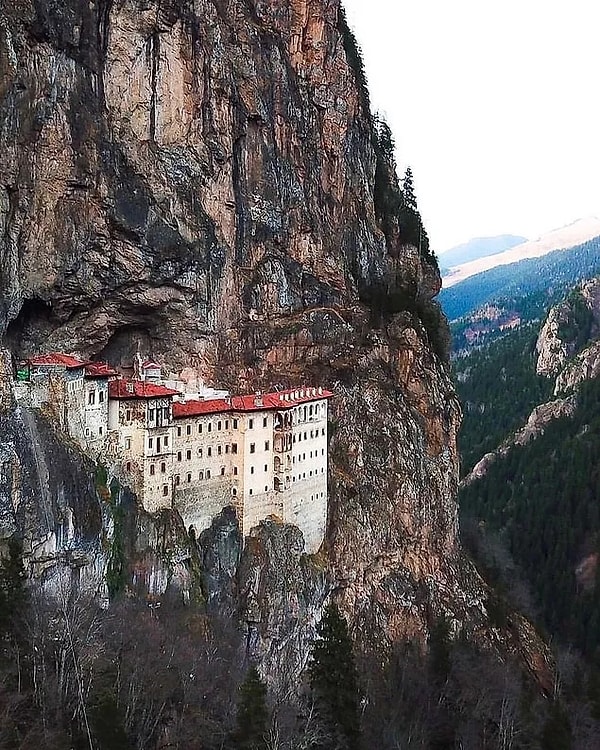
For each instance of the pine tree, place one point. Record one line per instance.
(408, 191)
(252, 714)
(334, 681)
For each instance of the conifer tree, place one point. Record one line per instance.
(252, 714)
(408, 191)
(334, 681)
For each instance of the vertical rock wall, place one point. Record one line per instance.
(196, 177)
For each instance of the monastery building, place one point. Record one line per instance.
(265, 454)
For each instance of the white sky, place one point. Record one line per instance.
(495, 106)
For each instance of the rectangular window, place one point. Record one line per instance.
(209, 428)
(165, 489)
(128, 415)
(252, 470)
(209, 451)
(128, 465)
(166, 413)
(252, 448)
(189, 478)
(101, 396)
(266, 487)
(199, 429)
(200, 451)
(127, 444)
(163, 467)
(219, 450)
(166, 441)
(226, 424)
(222, 471)
(179, 455)
(188, 429)
(250, 492)
(266, 467)
(158, 445)
(234, 448)
(188, 455)
(250, 424)
(208, 473)
(150, 443)
(151, 413)
(91, 398)
(176, 480)
(101, 431)
(226, 449)
(179, 432)
(235, 424)
(265, 422)
(151, 470)
(267, 445)
(235, 471)
(219, 424)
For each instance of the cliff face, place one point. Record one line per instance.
(197, 178)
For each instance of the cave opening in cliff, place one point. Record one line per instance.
(125, 342)
(26, 334)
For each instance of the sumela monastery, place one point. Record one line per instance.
(184, 446)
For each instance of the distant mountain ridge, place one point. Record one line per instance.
(559, 239)
(478, 247)
(556, 269)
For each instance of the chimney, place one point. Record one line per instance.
(129, 387)
(258, 399)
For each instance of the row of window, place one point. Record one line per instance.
(220, 424)
(303, 456)
(310, 474)
(88, 433)
(92, 397)
(313, 434)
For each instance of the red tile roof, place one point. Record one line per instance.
(55, 358)
(265, 402)
(99, 370)
(125, 389)
(150, 365)
(196, 408)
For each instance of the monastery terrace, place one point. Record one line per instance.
(265, 454)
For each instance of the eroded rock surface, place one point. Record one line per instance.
(197, 180)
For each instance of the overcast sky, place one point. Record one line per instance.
(495, 106)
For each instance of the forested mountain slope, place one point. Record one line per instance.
(539, 487)
(507, 284)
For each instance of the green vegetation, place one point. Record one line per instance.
(543, 499)
(252, 714)
(354, 56)
(334, 682)
(498, 388)
(552, 274)
(577, 327)
(396, 207)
